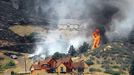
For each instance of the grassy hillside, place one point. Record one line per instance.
(112, 58)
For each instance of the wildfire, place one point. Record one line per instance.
(96, 39)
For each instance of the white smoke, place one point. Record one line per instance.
(58, 41)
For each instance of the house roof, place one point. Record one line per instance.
(46, 60)
(67, 59)
(63, 60)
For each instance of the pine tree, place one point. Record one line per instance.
(84, 48)
(72, 51)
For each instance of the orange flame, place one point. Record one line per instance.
(96, 39)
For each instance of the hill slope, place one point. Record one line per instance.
(113, 57)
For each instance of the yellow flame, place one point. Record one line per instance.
(96, 39)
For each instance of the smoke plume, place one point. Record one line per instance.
(114, 18)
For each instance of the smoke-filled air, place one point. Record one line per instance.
(72, 22)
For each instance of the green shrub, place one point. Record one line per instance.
(116, 67)
(1, 69)
(13, 73)
(86, 54)
(94, 70)
(105, 62)
(98, 70)
(89, 62)
(116, 73)
(10, 64)
(110, 71)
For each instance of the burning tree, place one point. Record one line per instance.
(96, 39)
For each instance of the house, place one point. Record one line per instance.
(67, 61)
(49, 64)
(80, 66)
(61, 68)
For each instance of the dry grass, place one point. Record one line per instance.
(26, 30)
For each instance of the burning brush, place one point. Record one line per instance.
(96, 39)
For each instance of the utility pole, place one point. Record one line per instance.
(25, 63)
